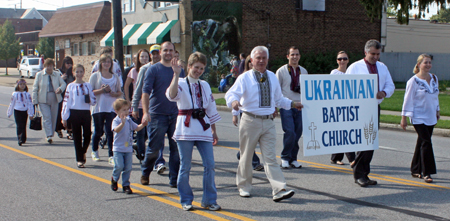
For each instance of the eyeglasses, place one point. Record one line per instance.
(340, 59)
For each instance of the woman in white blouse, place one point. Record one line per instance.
(196, 120)
(106, 86)
(342, 60)
(421, 105)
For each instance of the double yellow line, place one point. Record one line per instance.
(156, 194)
(373, 175)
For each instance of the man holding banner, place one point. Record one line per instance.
(386, 87)
(291, 119)
(257, 92)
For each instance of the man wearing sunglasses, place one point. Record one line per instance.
(370, 65)
(291, 119)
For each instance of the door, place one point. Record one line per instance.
(59, 58)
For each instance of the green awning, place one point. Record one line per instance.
(127, 32)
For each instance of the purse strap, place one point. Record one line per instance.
(37, 113)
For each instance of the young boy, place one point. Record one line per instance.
(123, 128)
(223, 83)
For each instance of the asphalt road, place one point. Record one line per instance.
(41, 182)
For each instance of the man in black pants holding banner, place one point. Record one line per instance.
(371, 65)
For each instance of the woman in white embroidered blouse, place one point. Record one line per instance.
(196, 120)
(421, 105)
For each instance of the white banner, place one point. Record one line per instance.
(340, 113)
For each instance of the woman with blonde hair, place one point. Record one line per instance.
(47, 89)
(106, 87)
(421, 105)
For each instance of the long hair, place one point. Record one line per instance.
(16, 88)
(138, 62)
(66, 60)
(247, 63)
(103, 58)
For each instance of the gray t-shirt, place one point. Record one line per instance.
(123, 141)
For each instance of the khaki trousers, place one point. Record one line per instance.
(251, 131)
(49, 112)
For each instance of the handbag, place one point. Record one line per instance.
(36, 122)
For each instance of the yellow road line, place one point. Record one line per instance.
(378, 176)
(157, 198)
(4, 105)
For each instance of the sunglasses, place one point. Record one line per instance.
(340, 59)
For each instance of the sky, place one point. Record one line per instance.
(54, 4)
(43, 4)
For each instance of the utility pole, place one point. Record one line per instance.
(118, 38)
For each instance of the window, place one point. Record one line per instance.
(67, 43)
(163, 4)
(56, 45)
(310, 5)
(128, 6)
(84, 48)
(91, 48)
(75, 49)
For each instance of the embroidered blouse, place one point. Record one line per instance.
(421, 100)
(21, 101)
(74, 98)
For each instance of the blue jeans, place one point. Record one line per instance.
(101, 120)
(141, 136)
(291, 122)
(122, 164)
(209, 187)
(159, 126)
(255, 159)
(160, 159)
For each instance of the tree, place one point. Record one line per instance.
(374, 7)
(46, 46)
(443, 16)
(9, 46)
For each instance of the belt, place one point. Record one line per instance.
(188, 114)
(264, 117)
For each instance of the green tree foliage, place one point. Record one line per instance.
(443, 16)
(374, 7)
(9, 46)
(46, 46)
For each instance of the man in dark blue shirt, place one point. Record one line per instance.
(161, 115)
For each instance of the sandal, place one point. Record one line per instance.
(60, 134)
(427, 179)
(416, 175)
(69, 135)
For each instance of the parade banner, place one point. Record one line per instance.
(340, 113)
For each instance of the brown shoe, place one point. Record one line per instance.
(145, 180)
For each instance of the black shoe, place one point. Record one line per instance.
(127, 189)
(20, 143)
(362, 182)
(371, 182)
(114, 185)
(145, 180)
(173, 185)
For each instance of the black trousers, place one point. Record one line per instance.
(363, 159)
(423, 159)
(81, 129)
(21, 118)
(340, 156)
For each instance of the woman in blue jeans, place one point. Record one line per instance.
(197, 115)
(106, 87)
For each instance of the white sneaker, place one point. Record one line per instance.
(94, 156)
(296, 164)
(111, 161)
(161, 169)
(243, 193)
(283, 194)
(284, 164)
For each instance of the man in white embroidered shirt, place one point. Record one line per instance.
(370, 65)
(257, 92)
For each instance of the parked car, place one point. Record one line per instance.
(29, 67)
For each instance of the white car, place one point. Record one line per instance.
(29, 67)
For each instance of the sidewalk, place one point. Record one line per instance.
(436, 131)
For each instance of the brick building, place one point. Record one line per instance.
(77, 31)
(312, 25)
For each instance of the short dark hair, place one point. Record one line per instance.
(293, 48)
(168, 42)
(243, 55)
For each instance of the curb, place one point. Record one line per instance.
(409, 128)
